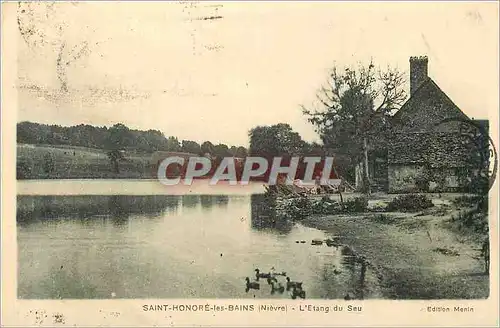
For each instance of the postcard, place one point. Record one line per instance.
(192, 163)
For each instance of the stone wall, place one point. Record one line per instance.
(402, 178)
(434, 149)
(405, 178)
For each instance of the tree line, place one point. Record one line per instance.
(118, 137)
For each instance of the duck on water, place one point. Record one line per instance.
(292, 284)
(277, 287)
(298, 292)
(259, 275)
(251, 284)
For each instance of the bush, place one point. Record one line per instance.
(477, 185)
(472, 220)
(297, 208)
(467, 201)
(325, 206)
(378, 206)
(48, 163)
(383, 218)
(358, 204)
(410, 203)
(478, 202)
(293, 208)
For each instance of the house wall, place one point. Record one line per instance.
(403, 178)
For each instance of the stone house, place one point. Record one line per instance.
(428, 149)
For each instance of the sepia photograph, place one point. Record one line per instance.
(252, 152)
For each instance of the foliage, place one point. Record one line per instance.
(325, 206)
(221, 150)
(115, 156)
(468, 200)
(293, 208)
(409, 203)
(116, 137)
(475, 216)
(477, 185)
(378, 206)
(207, 148)
(355, 107)
(275, 140)
(355, 103)
(240, 152)
(173, 144)
(383, 218)
(190, 147)
(48, 164)
(471, 219)
(299, 207)
(358, 204)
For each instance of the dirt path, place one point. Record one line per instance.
(403, 251)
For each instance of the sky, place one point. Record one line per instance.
(166, 66)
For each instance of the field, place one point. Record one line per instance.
(69, 162)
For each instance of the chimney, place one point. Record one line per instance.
(418, 72)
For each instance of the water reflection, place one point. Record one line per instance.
(190, 201)
(348, 258)
(119, 207)
(221, 200)
(357, 266)
(206, 201)
(264, 216)
(203, 246)
(360, 292)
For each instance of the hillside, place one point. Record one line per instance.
(81, 152)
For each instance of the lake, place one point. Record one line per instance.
(172, 246)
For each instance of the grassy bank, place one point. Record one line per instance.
(69, 162)
(419, 255)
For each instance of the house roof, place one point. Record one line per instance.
(421, 137)
(426, 108)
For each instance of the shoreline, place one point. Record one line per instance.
(70, 187)
(403, 253)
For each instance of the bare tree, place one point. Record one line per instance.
(354, 107)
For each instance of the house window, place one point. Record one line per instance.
(379, 168)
